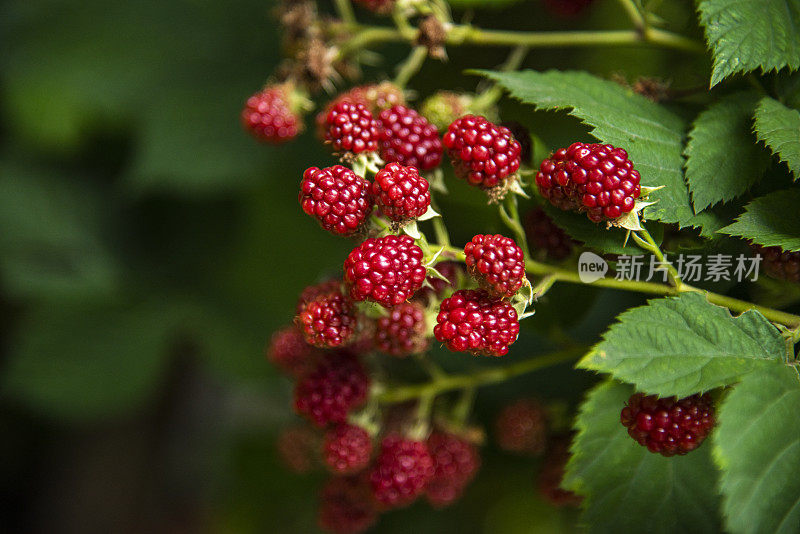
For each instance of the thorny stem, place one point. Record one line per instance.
(410, 66)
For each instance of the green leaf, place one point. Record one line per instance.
(779, 128)
(757, 445)
(684, 345)
(744, 35)
(771, 220)
(718, 172)
(88, 361)
(626, 487)
(652, 135)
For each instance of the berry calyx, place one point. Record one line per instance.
(409, 139)
(328, 321)
(597, 179)
(472, 321)
(337, 385)
(289, 351)
(387, 270)
(269, 116)
(455, 463)
(668, 426)
(484, 154)
(351, 128)
(497, 263)
(403, 331)
(347, 506)
(521, 427)
(779, 263)
(337, 197)
(402, 470)
(545, 236)
(453, 271)
(346, 449)
(401, 193)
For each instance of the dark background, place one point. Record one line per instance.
(149, 247)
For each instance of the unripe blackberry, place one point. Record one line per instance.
(381, 7)
(455, 463)
(337, 197)
(453, 271)
(523, 136)
(346, 449)
(351, 128)
(401, 193)
(347, 505)
(521, 427)
(595, 178)
(482, 153)
(268, 115)
(668, 426)
(544, 235)
(337, 385)
(444, 107)
(471, 321)
(402, 331)
(552, 474)
(311, 292)
(298, 447)
(289, 351)
(409, 139)
(402, 470)
(328, 321)
(387, 270)
(778, 263)
(497, 263)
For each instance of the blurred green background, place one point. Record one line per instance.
(149, 247)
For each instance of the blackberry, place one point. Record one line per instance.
(328, 321)
(409, 139)
(337, 385)
(402, 470)
(778, 263)
(351, 128)
(455, 463)
(346, 449)
(497, 263)
(289, 351)
(337, 197)
(472, 321)
(401, 193)
(544, 235)
(403, 331)
(268, 115)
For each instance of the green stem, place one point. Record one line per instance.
(439, 228)
(483, 377)
(646, 241)
(345, 10)
(410, 66)
(634, 13)
(510, 216)
(488, 98)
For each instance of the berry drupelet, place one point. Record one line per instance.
(409, 139)
(403, 331)
(597, 179)
(401, 193)
(521, 427)
(668, 426)
(402, 470)
(455, 463)
(337, 385)
(346, 449)
(351, 128)
(387, 270)
(497, 263)
(328, 321)
(544, 235)
(337, 197)
(482, 153)
(472, 321)
(268, 115)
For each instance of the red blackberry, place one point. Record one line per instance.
(309, 293)
(346, 449)
(335, 386)
(375, 97)
(381, 7)
(289, 351)
(521, 427)
(337, 197)
(387, 270)
(471, 321)
(497, 263)
(402, 331)
(347, 506)
(402, 470)
(269, 117)
(552, 475)
(779, 263)
(328, 321)
(409, 139)
(523, 136)
(544, 235)
(668, 426)
(453, 271)
(350, 127)
(455, 463)
(298, 447)
(598, 179)
(401, 193)
(482, 153)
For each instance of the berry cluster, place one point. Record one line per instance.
(597, 179)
